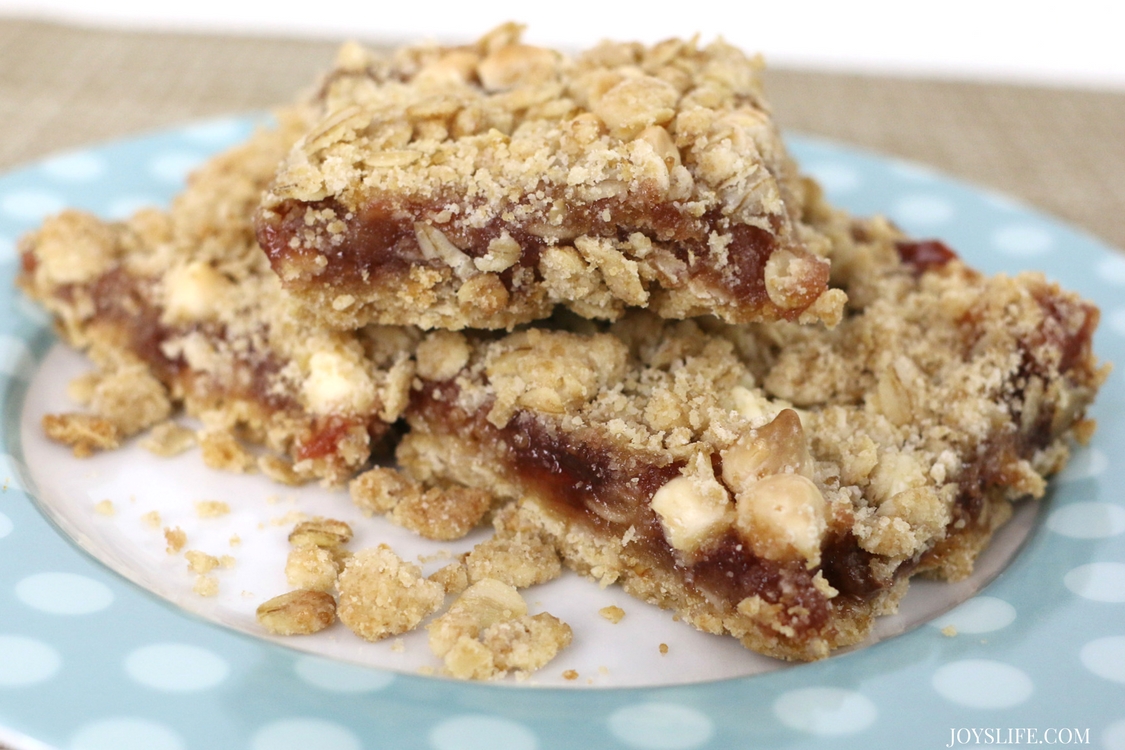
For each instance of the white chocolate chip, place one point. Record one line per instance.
(783, 517)
(193, 291)
(335, 382)
(693, 507)
(775, 448)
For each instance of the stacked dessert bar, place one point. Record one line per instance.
(598, 292)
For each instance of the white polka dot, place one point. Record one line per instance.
(476, 732)
(1083, 464)
(825, 711)
(9, 475)
(922, 210)
(126, 734)
(337, 677)
(31, 204)
(981, 614)
(80, 166)
(301, 734)
(1089, 520)
(912, 172)
(175, 166)
(25, 661)
(176, 667)
(215, 132)
(1002, 202)
(15, 358)
(834, 177)
(1116, 321)
(1113, 738)
(982, 683)
(5, 523)
(1099, 582)
(64, 593)
(1022, 240)
(1112, 269)
(661, 726)
(125, 206)
(1105, 657)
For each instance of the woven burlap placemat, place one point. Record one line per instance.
(1061, 150)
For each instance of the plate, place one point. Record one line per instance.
(91, 661)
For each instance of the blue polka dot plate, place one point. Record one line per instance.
(103, 645)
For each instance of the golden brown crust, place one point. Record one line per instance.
(180, 308)
(774, 481)
(481, 185)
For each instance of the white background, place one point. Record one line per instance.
(1076, 42)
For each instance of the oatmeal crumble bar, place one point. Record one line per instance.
(481, 185)
(181, 308)
(775, 481)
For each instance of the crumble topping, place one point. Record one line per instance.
(435, 513)
(481, 185)
(180, 308)
(776, 481)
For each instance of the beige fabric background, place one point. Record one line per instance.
(1061, 150)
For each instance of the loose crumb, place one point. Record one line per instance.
(235, 540)
(327, 533)
(663, 648)
(84, 433)
(488, 633)
(453, 578)
(211, 508)
(206, 585)
(168, 439)
(382, 595)
(313, 568)
(613, 613)
(570, 674)
(151, 519)
(105, 508)
(292, 517)
(399, 646)
(298, 612)
(517, 557)
(200, 562)
(949, 631)
(281, 470)
(176, 539)
(221, 450)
